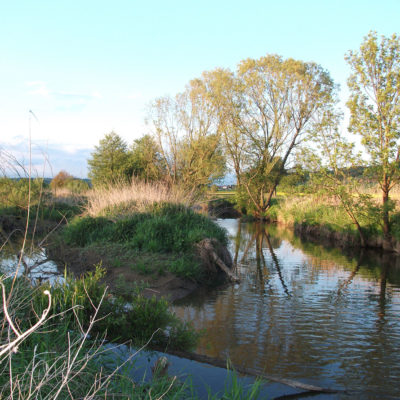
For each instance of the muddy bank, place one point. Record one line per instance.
(125, 270)
(16, 226)
(325, 235)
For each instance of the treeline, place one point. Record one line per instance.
(268, 115)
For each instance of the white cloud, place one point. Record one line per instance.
(40, 88)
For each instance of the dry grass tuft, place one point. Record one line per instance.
(67, 196)
(138, 196)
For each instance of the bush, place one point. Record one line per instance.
(61, 180)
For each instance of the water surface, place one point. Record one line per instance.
(305, 312)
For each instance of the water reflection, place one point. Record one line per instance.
(304, 311)
(34, 264)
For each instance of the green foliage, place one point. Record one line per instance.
(110, 162)
(168, 229)
(128, 317)
(294, 182)
(374, 109)
(146, 159)
(77, 186)
(14, 192)
(56, 211)
(44, 357)
(82, 231)
(185, 266)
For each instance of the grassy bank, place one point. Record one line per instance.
(327, 214)
(64, 357)
(149, 235)
(167, 230)
(323, 216)
(147, 228)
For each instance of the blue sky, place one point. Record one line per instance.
(88, 67)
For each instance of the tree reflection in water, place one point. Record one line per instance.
(304, 311)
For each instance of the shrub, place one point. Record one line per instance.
(61, 180)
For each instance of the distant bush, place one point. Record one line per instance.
(61, 180)
(64, 180)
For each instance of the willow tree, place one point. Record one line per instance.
(187, 134)
(266, 110)
(374, 105)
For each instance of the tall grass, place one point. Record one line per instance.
(138, 196)
(315, 210)
(61, 359)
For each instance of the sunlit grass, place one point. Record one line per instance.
(137, 196)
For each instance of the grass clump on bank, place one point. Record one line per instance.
(61, 358)
(125, 317)
(167, 229)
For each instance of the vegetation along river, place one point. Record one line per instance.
(306, 312)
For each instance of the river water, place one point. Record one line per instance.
(306, 312)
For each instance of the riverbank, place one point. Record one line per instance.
(161, 248)
(322, 218)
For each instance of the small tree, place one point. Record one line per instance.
(110, 161)
(146, 159)
(61, 180)
(374, 105)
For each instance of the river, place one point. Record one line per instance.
(304, 311)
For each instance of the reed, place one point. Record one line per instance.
(137, 196)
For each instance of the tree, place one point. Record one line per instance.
(265, 109)
(110, 161)
(225, 93)
(331, 162)
(375, 111)
(146, 159)
(187, 134)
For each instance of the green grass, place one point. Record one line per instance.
(322, 212)
(40, 364)
(168, 229)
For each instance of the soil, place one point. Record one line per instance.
(125, 269)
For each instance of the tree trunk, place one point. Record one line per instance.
(387, 242)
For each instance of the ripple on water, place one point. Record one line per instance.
(305, 312)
